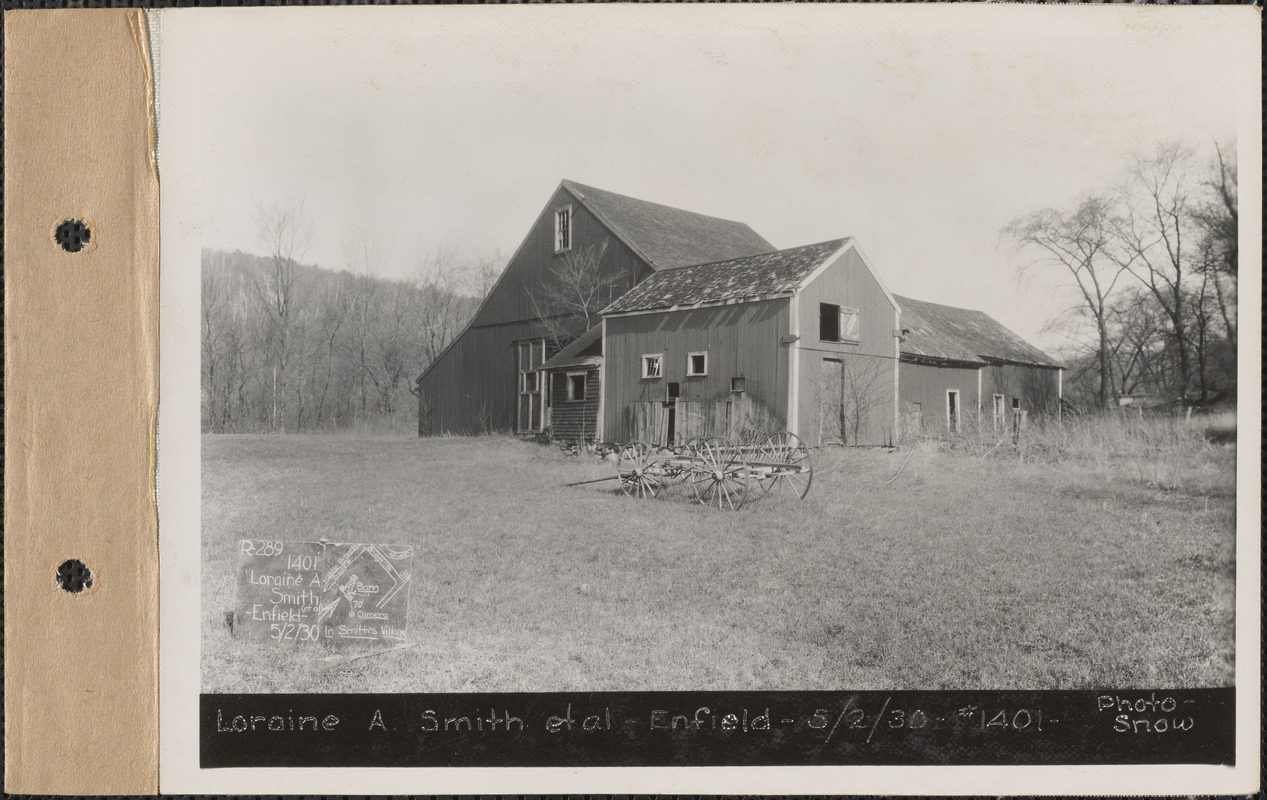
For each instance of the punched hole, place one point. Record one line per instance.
(74, 576)
(72, 235)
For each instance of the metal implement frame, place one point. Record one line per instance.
(721, 472)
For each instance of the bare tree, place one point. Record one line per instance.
(1156, 239)
(1079, 242)
(442, 281)
(482, 274)
(849, 390)
(1218, 220)
(1139, 343)
(568, 301)
(285, 233)
(213, 304)
(362, 258)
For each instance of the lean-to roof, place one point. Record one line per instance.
(946, 333)
(585, 351)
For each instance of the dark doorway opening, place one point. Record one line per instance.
(671, 403)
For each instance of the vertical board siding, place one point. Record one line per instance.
(531, 266)
(707, 418)
(472, 388)
(927, 385)
(1038, 388)
(742, 341)
(571, 420)
(847, 399)
(648, 422)
(846, 390)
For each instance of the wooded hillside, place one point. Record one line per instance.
(288, 347)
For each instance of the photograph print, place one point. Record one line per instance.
(758, 350)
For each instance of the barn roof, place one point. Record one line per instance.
(946, 333)
(737, 280)
(585, 351)
(667, 237)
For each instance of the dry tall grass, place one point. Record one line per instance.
(1105, 440)
(1100, 553)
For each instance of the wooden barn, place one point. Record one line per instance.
(489, 378)
(709, 331)
(803, 339)
(962, 368)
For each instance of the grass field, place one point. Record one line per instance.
(1090, 562)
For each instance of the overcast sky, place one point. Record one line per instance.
(919, 130)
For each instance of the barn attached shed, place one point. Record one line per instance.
(574, 388)
(737, 348)
(962, 368)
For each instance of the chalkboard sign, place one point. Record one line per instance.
(301, 593)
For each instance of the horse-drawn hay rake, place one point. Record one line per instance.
(721, 473)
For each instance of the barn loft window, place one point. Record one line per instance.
(837, 324)
(651, 365)
(576, 386)
(737, 384)
(697, 364)
(828, 322)
(563, 229)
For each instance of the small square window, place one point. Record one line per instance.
(576, 386)
(674, 390)
(530, 382)
(651, 365)
(1016, 403)
(737, 384)
(697, 364)
(563, 229)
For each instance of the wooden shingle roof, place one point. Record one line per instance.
(945, 333)
(585, 351)
(736, 280)
(667, 237)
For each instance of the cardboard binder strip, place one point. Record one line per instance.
(81, 378)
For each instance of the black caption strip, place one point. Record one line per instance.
(1194, 726)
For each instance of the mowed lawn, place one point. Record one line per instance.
(962, 572)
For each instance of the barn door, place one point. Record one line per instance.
(831, 402)
(650, 422)
(690, 420)
(531, 415)
(721, 419)
(912, 421)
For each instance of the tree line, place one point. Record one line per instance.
(289, 347)
(1152, 261)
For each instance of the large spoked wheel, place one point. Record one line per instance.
(785, 463)
(639, 471)
(719, 477)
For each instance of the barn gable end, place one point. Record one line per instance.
(847, 373)
(479, 383)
